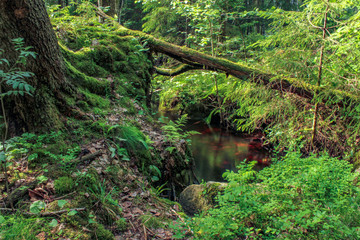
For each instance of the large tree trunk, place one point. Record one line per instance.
(29, 20)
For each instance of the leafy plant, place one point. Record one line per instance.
(174, 131)
(37, 207)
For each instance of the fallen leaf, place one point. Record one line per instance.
(126, 204)
(137, 211)
(128, 215)
(41, 236)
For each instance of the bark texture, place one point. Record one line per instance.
(28, 19)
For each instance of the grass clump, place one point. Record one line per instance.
(17, 227)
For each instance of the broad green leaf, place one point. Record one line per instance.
(92, 221)
(53, 223)
(2, 156)
(42, 178)
(33, 157)
(61, 203)
(72, 213)
(37, 207)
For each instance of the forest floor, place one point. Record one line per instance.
(121, 197)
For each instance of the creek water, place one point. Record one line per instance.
(216, 150)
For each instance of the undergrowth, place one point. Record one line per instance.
(316, 197)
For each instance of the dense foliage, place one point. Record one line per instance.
(315, 44)
(294, 198)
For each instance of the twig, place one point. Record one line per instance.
(64, 196)
(156, 235)
(87, 157)
(7, 210)
(132, 225)
(145, 235)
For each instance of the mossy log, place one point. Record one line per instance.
(197, 60)
(19, 193)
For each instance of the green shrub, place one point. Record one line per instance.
(64, 185)
(295, 198)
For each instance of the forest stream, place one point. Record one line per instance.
(216, 150)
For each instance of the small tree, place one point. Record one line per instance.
(301, 46)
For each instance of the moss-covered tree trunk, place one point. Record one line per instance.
(29, 20)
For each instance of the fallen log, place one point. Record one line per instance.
(19, 193)
(199, 60)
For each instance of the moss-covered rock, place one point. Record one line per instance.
(198, 197)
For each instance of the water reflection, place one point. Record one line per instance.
(216, 150)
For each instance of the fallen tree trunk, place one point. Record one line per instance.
(197, 60)
(20, 192)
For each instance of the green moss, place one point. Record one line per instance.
(101, 233)
(91, 69)
(103, 57)
(64, 185)
(99, 111)
(94, 85)
(121, 224)
(95, 100)
(90, 179)
(83, 105)
(70, 233)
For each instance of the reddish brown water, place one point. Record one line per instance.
(216, 151)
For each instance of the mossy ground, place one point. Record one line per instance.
(110, 75)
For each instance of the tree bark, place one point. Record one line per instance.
(29, 20)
